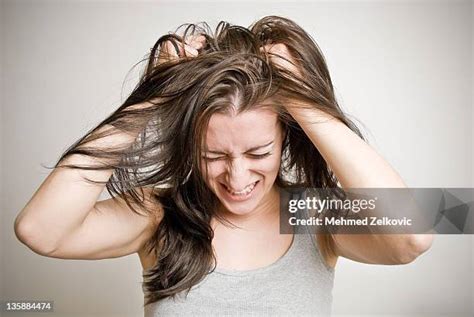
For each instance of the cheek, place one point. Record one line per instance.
(272, 163)
(213, 170)
(268, 166)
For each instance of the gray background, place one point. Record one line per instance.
(403, 68)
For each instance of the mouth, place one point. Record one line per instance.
(244, 194)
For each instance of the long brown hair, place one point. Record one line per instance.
(230, 72)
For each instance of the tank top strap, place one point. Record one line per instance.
(305, 242)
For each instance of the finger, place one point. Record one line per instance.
(267, 47)
(197, 41)
(170, 48)
(174, 47)
(177, 49)
(190, 51)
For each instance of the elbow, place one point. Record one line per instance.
(414, 246)
(27, 233)
(21, 230)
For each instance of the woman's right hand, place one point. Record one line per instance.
(169, 52)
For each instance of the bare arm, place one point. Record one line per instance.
(356, 165)
(62, 218)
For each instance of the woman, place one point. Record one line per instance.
(199, 156)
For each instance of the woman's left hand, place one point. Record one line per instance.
(280, 56)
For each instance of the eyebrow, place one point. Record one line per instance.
(249, 150)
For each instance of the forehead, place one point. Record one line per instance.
(237, 132)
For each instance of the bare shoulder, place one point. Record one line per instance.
(326, 247)
(148, 259)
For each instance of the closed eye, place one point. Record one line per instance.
(260, 156)
(253, 156)
(213, 159)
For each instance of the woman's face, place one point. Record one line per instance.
(243, 158)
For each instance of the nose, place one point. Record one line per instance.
(238, 175)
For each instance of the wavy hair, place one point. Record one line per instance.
(169, 110)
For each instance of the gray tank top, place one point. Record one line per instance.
(298, 284)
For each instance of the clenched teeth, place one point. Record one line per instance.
(245, 191)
